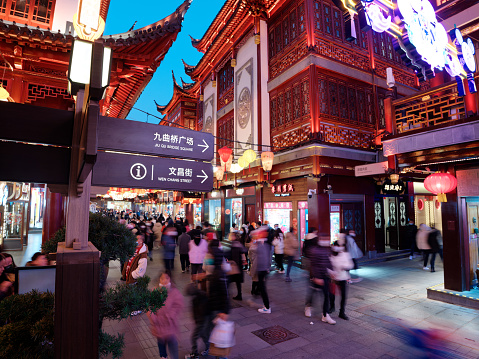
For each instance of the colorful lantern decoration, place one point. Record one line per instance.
(249, 156)
(440, 184)
(267, 160)
(225, 153)
(226, 165)
(242, 162)
(219, 173)
(235, 168)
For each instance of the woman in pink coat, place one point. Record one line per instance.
(164, 322)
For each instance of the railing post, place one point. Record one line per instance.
(389, 117)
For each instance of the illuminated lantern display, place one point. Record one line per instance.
(440, 184)
(219, 173)
(226, 165)
(235, 168)
(242, 162)
(225, 154)
(267, 160)
(249, 156)
(418, 37)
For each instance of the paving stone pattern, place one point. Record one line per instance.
(390, 299)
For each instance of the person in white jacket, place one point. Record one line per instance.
(342, 263)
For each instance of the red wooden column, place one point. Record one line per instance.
(189, 214)
(314, 99)
(54, 217)
(319, 208)
(390, 126)
(453, 243)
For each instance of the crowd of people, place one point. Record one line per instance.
(213, 267)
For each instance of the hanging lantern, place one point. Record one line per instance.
(226, 165)
(249, 156)
(242, 162)
(267, 160)
(219, 173)
(235, 168)
(440, 184)
(225, 154)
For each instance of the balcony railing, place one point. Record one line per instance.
(437, 106)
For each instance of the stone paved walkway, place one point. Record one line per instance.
(391, 296)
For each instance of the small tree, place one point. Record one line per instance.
(112, 239)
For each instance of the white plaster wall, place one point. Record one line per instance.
(245, 53)
(64, 11)
(265, 108)
(209, 108)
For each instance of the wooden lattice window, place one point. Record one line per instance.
(32, 12)
(225, 132)
(345, 102)
(286, 28)
(226, 78)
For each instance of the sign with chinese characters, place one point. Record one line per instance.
(335, 208)
(122, 170)
(389, 188)
(282, 190)
(138, 137)
(418, 36)
(278, 205)
(371, 169)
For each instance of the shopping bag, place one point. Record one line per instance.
(223, 334)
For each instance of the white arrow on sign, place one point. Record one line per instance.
(205, 176)
(205, 146)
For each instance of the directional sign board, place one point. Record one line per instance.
(138, 137)
(121, 170)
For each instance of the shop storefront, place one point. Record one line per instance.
(468, 203)
(285, 203)
(239, 207)
(14, 215)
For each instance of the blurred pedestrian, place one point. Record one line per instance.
(353, 248)
(342, 263)
(422, 237)
(435, 242)
(237, 256)
(6, 287)
(217, 289)
(291, 246)
(183, 249)
(198, 247)
(411, 231)
(263, 265)
(199, 305)
(253, 271)
(168, 241)
(38, 259)
(319, 254)
(164, 322)
(278, 243)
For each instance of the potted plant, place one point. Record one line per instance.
(112, 239)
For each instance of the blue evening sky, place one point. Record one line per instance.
(121, 16)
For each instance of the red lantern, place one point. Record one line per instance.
(440, 184)
(225, 153)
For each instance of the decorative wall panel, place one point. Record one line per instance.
(209, 115)
(40, 92)
(244, 119)
(342, 135)
(225, 133)
(291, 138)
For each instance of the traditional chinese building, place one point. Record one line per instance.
(282, 76)
(35, 44)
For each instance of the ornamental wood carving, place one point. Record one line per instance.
(348, 136)
(291, 138)
(40, 92)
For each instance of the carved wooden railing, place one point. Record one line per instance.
(437, 106)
